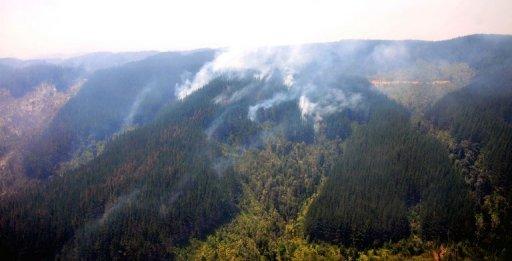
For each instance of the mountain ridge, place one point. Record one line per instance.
(277, 153)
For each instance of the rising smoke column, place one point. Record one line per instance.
(307, 72)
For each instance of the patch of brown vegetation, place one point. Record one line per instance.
(21, 119)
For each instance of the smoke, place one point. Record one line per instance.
(313, 76)
(264, 61)
(120, 202)
(389, 53)
(128, 120)
(317, 106)
(278, 98)
(306, 73)
(221, 165)
(232, 96)
(214, 125)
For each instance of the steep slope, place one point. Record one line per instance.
(129, 179)
(29, 99)
(158, 172)
(23, 118)
(110, 101)
(277, 153)
(155, 182)
(478, 119)
(389, 173)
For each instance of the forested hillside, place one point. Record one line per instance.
(111, 100)
(346, 150)
(478, 119)
(30, 96)
(390, 179)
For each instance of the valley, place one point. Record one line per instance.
(357, 150)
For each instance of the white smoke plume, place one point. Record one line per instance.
(307, 71)
(265, 61)
(119, 203)
(331, 101)
(128, 120)
(278, 98)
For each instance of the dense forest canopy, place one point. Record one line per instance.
(393, 149)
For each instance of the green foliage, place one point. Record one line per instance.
(278, 183)
(150, 189)
(387, 169)
(111, 99)
(199, 179)
(480, 115)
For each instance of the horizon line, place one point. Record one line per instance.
(192, 49)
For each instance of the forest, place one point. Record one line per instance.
(327, 165)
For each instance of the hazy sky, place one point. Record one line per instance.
(41, 28)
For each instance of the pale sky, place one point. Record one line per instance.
(49, 28)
